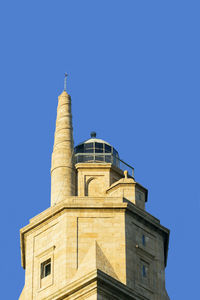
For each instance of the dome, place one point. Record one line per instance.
(96, 150)
(97, 141)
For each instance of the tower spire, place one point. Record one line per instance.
(65, 82)
(62, 167)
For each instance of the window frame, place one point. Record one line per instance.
(43, 268)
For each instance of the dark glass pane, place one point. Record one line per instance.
(89, 150)
(144, 272)
(107, 148)
(117, 163)
(143, 240)
(47, 270)
(80, 158)
(89, 146)
(99, 157)
(108, 158)
(99, 145)
(88, 158)
(79, 149)
(97, 150)
(115, 152)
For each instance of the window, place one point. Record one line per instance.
(108, 159)
(88, 158)
(115, 153)
(99, 148)
(144, 271)
(143, 240)
(99, 158)
(107, 148)
(46, 268)
(88, 148)
(79, 149)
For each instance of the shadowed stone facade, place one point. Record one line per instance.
(96, 241)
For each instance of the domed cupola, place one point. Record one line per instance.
(96, 150)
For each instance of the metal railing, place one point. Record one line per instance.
(104, 158)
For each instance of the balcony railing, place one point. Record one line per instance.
(104, 158)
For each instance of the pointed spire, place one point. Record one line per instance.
(65, 82)
(62, 167)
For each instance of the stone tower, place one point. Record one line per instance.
(96, 241)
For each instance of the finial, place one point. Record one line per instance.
(65, 82)
(93, 134)
(126, 174)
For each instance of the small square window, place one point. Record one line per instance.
(46, 268)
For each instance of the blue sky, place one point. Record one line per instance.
(134, 72)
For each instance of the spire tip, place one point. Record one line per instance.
(65, 82)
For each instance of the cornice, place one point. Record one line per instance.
(99, 166)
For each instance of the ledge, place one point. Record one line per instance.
(99, 166)
(97, 281)
(143, 251)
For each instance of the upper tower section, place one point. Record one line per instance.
(100, 173)
(62, 166)
(93, 168)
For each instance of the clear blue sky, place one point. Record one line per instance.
(134, 78)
